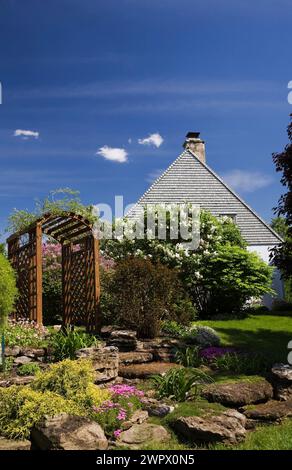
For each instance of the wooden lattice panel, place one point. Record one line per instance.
(80, 269)
(81, 298)
(23, 257)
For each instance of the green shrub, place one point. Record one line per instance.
(7, 366)
(243, 364)
(203, 336)
(65, 378)
(188, 357)
(8, 290)
(174, 329)
(223, 281)
(66, 343)
(180, 384)
(145, 294)
(28, 369)
(22, 407)
(8, 294)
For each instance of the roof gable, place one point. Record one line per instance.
(187, 179)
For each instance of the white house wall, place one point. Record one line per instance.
(264, 252)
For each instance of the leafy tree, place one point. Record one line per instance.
(280, 226)
(8, 293)
(282, 255)
(222, 282)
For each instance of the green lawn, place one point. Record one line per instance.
(267, 334)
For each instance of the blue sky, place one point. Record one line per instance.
(84, 75)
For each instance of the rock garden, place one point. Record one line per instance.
(182, 359)
(121, 392)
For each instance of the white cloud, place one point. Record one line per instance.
(26, 134)
(113, 154)
(248, 181)
(151, 177)
(153, 139)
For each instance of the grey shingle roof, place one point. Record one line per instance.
(187, 179)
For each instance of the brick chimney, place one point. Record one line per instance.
(196, 145)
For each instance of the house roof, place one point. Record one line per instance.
(189, 180)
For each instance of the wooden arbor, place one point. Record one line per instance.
(80, 269)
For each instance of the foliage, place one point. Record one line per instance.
(241, 363)
(144, 295)
(66, 378)
(28, 369)
(180, 384)
(8, 290)
(203, 336)
(113, 413)
(279, 224)
(7, 365)
(282, 254)
(26, 333)
(189, 357)
(68, 201)
(227, 279)
(22, 407)
(173, 328)
(171, 251)
(219, 276)
(65, 343)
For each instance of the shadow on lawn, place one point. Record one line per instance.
(272, 344)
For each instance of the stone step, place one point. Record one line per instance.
(238, 394)
(133, 357)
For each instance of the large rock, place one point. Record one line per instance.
(124, 340)
(66, 432)
(10, 444)
(105, 361)
(271, 411)
(237, 394)
(140, 435)
(282, 381)
(133, 357)
(227, 427)
(21, 360)
(142, 371)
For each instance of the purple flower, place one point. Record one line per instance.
(122, 415)
(117, 433)
(126, 390)
(213, 352)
